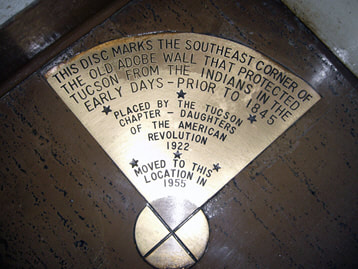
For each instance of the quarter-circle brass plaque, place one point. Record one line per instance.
(180, 114)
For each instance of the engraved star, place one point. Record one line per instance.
(216, 167)
(177, 154)
(181, 94)
(107, 109)
(134, 163)
(252, 118)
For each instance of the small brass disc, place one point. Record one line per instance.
(165, 246)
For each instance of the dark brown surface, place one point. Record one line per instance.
(39, 26)
(41, 31)
(65, 204)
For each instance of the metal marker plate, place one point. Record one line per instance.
(180, 114)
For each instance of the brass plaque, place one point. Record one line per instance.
(180, 114)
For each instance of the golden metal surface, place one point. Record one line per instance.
(180, 114)
(165, 247)
(170, 255)
(195, 234)
(148, 231)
